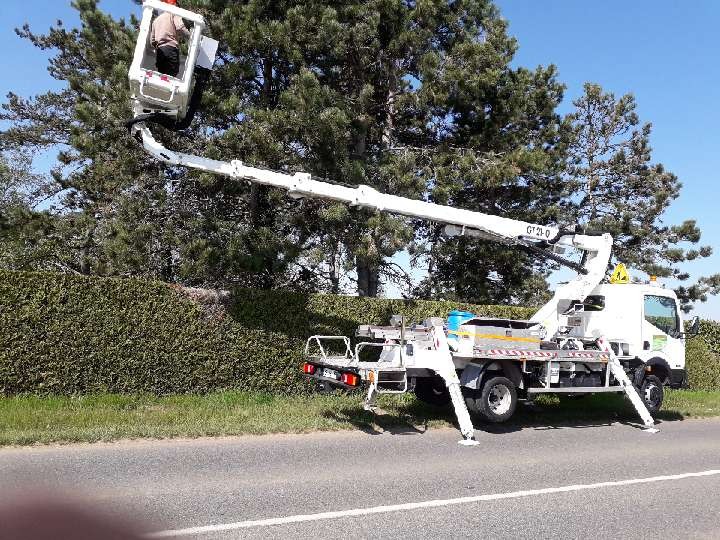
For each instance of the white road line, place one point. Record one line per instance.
(414, 506)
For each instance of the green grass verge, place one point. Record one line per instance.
(30, 419)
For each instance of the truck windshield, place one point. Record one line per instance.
(661, 312)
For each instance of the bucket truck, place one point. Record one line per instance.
(592, 336)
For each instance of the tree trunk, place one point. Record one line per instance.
(368, 277)
(259, 207)
(432, 261)
(335, 270)
(85, 250)
(367, 270)
(389, 127)
(261, 215)
(167, 269)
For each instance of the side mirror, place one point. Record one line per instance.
(693, 328)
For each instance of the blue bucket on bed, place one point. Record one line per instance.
(455, 320)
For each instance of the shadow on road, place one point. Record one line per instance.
(379, 422)
(546, 413)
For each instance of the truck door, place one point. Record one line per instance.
(662, 330)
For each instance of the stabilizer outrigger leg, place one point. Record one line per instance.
(370, 403)
(618, 372)
(446, 370)
(444, 366)
(466, 427)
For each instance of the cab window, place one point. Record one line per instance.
(661, 312)
(594, 303)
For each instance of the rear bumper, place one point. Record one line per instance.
(678, 378)
(339, 369)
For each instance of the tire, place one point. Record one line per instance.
(472, 399)
(432, 390)
(497, 401)
(652, 393)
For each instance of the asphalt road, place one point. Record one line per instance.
(236, 485)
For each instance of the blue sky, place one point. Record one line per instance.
(666, 52)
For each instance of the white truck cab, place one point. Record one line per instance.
(643, 324)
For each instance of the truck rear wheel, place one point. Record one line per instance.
(652, 393)
(432, 390)
(497, 400)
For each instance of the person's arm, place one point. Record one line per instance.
(180, 27)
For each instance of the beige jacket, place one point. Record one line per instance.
(165, 30)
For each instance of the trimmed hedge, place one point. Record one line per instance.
(63, 334)
(703, 358)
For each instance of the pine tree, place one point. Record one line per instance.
(412, 98)
(616, 188)
(353, 92)
(97, 164)
(498, 149)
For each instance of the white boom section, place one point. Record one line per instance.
(598, 250)
(302, 185)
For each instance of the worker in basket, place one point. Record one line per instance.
(166, 31)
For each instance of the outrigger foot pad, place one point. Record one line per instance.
(649, 429)
(468, 442)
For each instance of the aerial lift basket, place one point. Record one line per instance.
(154, 92)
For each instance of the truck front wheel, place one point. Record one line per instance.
(497, 400)
(652, 393)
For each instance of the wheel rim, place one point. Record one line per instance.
(499, 399)
(652, 394)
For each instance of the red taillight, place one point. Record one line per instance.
(308, 368)
(350, 379)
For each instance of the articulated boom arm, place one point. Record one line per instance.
(596, 249)
(303, 185)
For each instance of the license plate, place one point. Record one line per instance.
(330, 373)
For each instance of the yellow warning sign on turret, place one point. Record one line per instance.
(620, 275)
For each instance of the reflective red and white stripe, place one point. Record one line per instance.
(542, 354)
(581, 354)
(517, 352)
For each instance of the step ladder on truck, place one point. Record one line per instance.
(594, 335)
